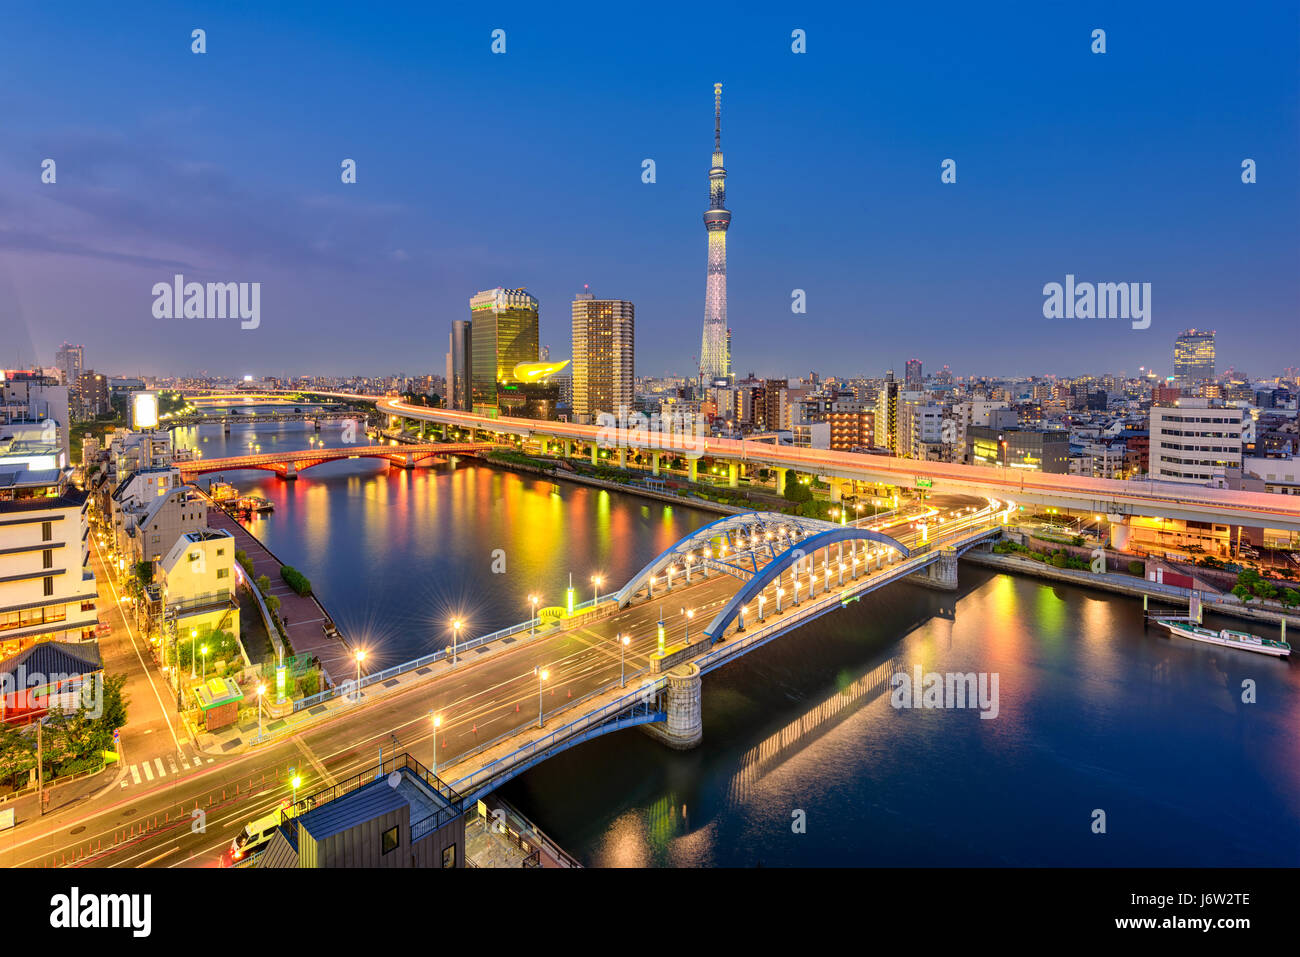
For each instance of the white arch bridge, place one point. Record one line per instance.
(791, 570)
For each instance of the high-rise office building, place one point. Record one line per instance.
(1194, 357)
(603, 341)
(912, 375)
(503, 324)
(715, 348)
(460, 354)
(71, 362)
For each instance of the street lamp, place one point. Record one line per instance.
(261, 690)
(455, 639)
(194, 634)
(689, 613)
(437, 723)
(595, 589)
(295, 782)
(622, 647)
(534, 599)
(204, 652)
(542, 675)
(360, 656)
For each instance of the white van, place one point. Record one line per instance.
(256, 835)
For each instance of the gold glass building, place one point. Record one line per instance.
(503, 334)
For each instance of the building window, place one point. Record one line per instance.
(47, 558)
(49, 585)
(223, 572)
(47, 531)
(389, 841)
(449, 856)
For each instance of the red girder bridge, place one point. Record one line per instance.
(287, 465)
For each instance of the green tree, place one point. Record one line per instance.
(1242, 592)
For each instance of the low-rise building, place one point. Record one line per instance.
(197, 582)
(1197, 441)
(47, 590)
(396, 815)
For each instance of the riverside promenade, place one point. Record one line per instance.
(303, 615)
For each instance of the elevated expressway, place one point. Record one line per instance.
(1117, 499)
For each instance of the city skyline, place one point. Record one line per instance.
(902, 265)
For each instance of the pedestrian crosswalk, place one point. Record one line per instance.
(155, 769)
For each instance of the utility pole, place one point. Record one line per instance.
(40, 766)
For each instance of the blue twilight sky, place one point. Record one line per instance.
(478, 170)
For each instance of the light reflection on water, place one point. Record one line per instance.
(1095, 711)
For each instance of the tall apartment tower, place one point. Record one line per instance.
(715, 348)
(1194, 357)
(503, 323)
(603, 349)
(912, 379)
(886, 431)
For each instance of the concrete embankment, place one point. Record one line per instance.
(564, 475)
(1120, 583)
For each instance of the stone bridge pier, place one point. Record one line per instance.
(941, 574)
(684, 728)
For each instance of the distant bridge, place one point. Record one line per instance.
(287, 465)
(228, 419)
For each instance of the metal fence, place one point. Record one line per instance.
(642, 697)
(470, 644)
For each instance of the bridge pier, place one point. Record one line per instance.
(693, 465)
(290, 471)
(595, 454)
(942, 574)
(684, 728)
(733, 474)
(654, 457)
(622, 457)
(780, 481)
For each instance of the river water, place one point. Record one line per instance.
(805, 760)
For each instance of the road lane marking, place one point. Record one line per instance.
(135, 775)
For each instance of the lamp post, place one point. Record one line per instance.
(361, 656)
(455, 639)
(542, 675)
(437, 723)
(689, 613)
(295, 782)
(534, 599)
(261, 690)
(194, 634)
(623, 641)
(204, 652)
(595, 589)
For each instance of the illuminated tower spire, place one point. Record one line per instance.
(715, 352)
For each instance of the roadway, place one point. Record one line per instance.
(149, 823)
(1088, 495)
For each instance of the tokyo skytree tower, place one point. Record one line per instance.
(715, 351)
